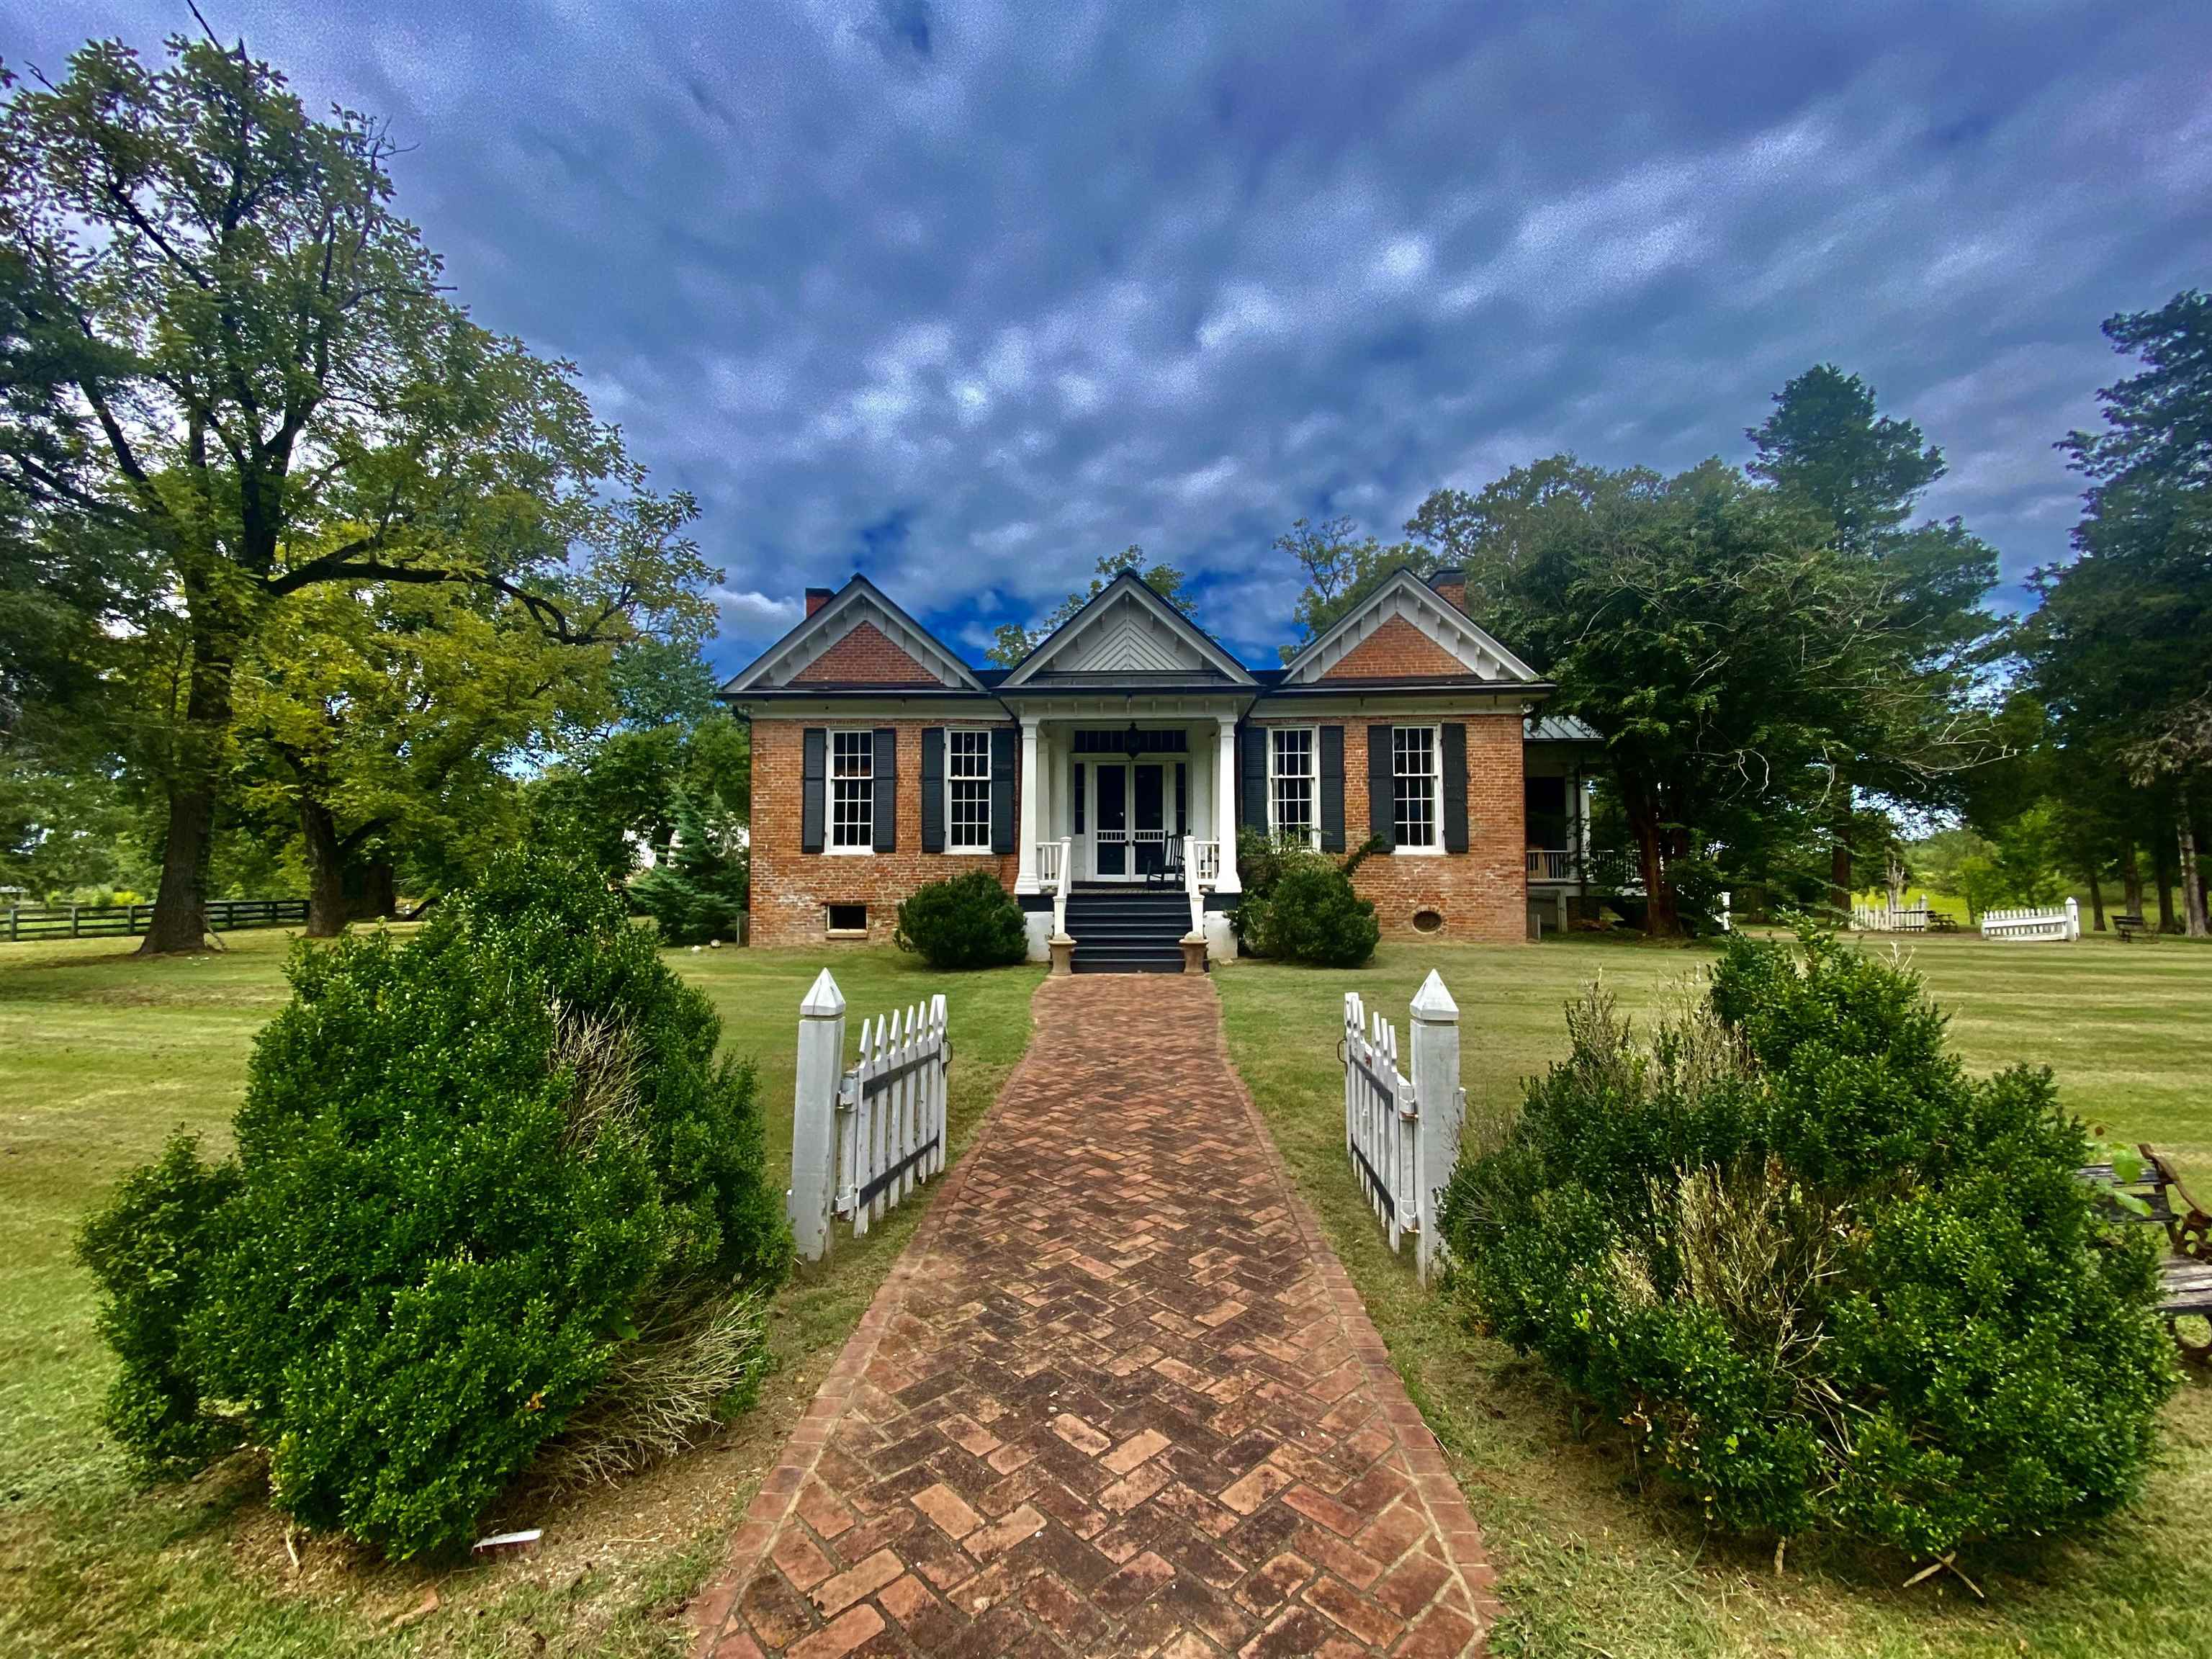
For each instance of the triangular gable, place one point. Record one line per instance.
(1127, 629)
(858, 637)
(1406, 630)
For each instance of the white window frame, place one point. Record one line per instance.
(1275, 827)
(952, 843)
(831, 826)
(1436, 778)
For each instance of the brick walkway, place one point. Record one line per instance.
(1117, 1397)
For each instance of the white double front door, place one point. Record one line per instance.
(1126, 814)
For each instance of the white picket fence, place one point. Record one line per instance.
(864, 1137)
(1402, 1132)
(2062, 921)
(1868, 919)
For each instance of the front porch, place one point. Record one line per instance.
(1127, 792)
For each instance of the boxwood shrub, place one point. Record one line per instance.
(1298, 904)
(471, 1169)
(969, 921)
(1829, 1281)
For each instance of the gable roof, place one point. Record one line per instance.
(1405, 605)
(1126, 633)
(858, 638)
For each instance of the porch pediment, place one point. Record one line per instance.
(1128, 635)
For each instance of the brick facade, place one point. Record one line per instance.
(1395, 650)
(790, 888)
(1481, 894)
(866, 656)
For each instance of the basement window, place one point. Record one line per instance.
(848, 920)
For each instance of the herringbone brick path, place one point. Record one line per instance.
(1117, 1398)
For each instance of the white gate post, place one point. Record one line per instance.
(1442, 1104)
(814, 1115)
(2073, 917)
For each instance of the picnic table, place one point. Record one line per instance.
(1943, 921)
(2185, 1275)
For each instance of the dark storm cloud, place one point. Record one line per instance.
(966, 295)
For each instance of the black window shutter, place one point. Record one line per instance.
(1253, 815)
(814, 772)
(1454, 786)
(886, 803)
(1332, 789)
(1003, 740)
(932, 789)
(1381, 799)
(1182, 802)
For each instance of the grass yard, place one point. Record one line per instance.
(1591, 1568)
(101, 1056)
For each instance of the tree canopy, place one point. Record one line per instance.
(1014, 641)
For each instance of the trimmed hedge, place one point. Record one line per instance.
(471, 1169)
(969, 921)
(1829, 1281)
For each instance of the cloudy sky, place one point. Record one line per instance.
(963, 295)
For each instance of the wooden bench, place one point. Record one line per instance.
(2130, 928)
(2185, 1273)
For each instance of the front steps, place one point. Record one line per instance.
(1127, 930)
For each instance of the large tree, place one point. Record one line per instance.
(1707, 629)
(2122, 644)
(271, 390)
(1014, 641)
(1826, 444)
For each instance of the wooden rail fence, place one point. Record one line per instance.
(127, 920)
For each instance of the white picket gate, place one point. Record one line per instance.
(864, 1137)
(2062, 921)
(1402, 1132)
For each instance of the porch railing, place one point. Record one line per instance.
(1054, 868)
(1551, 864)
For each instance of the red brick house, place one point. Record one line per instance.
(1104, 780)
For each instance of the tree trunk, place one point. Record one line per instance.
(2162, 873)
(2096, 899)
(2192, 891)
(372, 890)
(2131, 879)
(318, 832)
(1662, 920)
(179, 918)
(1840, 890)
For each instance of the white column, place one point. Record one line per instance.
(1441, 1104)
(814, 1115)
(1224, 803)
(1025, 878)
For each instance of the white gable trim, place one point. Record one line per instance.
(860, 601)
(1127, 629)
(1408, 595)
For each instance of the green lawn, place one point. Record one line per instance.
(1590, 1567)
(101, 1056)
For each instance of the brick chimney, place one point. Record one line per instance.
(818, 597)
(1450, 583)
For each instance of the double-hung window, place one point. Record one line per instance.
(968, 791)
(851, 791)
(1416, 787)
(1290, 783)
